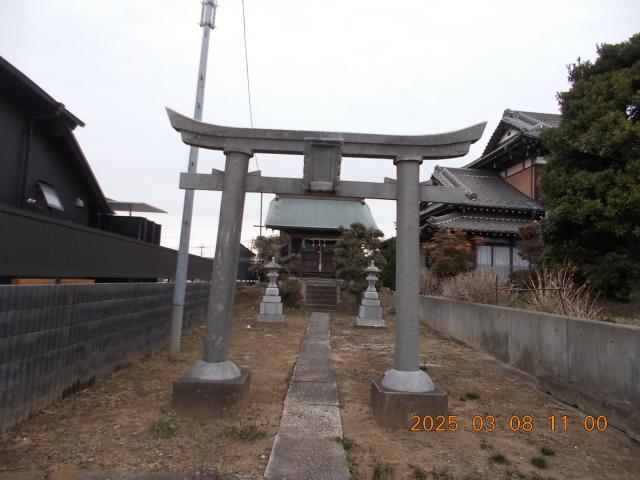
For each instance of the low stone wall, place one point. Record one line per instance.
(54, 338)
(593, 365)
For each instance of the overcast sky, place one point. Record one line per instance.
(402, 67)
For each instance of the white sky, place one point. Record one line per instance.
(404, 67)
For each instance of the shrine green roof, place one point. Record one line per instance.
(312, 214)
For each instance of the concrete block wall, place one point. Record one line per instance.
(586, 363)
(57, 337)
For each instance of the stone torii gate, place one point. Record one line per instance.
(215, 385)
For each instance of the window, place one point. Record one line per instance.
(50, 195)
(519, 263)
(504, 259)
(483, 256)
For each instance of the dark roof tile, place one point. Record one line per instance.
(527, 124)
(480, 223)
(490, 189)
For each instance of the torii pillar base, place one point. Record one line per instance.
(394, 409)
(196, 394)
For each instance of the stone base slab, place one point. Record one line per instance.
(272, 318)
(367, 323)
(267, 308)
(370, 316)
(395, 409)
(211, 398)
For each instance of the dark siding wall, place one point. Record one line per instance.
(12, 138)
(139, 228)
(33, 245)
(50, 160)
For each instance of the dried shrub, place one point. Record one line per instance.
(555, 291)
(290, 292)
(520, 278)
(428, 283)
(478, 286)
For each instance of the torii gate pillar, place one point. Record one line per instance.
(407, 390)
(215, 386)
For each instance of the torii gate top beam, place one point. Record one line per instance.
(258, 140)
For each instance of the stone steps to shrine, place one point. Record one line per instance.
(321, 296)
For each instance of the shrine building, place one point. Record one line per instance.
(312, 226)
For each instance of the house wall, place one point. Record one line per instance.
(593, 365)
(56, 338)
(523, 181)
(33, 245)
(524, 175)
(537, 194)
(506, 136)
(51, 161)
(12, 136)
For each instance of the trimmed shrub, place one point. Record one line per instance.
(290, 292)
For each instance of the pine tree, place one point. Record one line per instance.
(356, 247)
(591, 185)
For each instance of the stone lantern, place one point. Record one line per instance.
(271, 306)
(370, 314)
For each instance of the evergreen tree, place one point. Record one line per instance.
(355, 248)
(591, 185)
(529, 243)
(388, 274)
(268, 247)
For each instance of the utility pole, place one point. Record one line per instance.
(207, 22)
(202, 247)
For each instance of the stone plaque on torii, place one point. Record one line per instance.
(215, 384)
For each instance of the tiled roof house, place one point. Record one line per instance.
(502, 190)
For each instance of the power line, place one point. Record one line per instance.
(246, 63)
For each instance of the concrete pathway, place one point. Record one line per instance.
(306, 446)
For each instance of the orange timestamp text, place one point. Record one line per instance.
(514, 423)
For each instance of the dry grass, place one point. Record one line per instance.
(360, 355)
(428, 283)
(478, 286)
(125, 422)
(555, 291)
